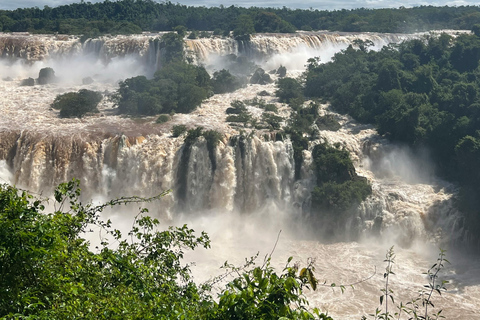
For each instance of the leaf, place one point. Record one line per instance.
(381, 300)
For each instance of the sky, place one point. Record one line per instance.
(315, 4)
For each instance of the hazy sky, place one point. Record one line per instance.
(315, 4)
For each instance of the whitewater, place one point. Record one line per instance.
(252, 195)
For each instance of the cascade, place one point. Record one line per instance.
(249, 192)
(145, 47)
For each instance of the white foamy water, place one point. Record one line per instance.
(252, 193)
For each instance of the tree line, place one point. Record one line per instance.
(135, 16)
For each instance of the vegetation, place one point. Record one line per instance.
(77, 104)
(418, 308)
(424, 93)
(163, 118)
(338, 188)
(48, 271)
(327, 122)
(178, 130)
(223, 81)
(135, 16)
(178, 86)
(289, 90)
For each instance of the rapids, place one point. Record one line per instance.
(251, 194)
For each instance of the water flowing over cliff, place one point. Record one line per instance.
(245, 189)
(146, 47)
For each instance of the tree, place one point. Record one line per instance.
(243, 27)
(288, 90)
(77, 104)
(223, 81)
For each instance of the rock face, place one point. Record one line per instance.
(260, 77)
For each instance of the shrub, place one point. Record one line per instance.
(77, 104)
(223, 81)
(289, 89)
(163, 118)
(178, 130)
(237, 107)
(328, 122)
(243, 117)
(271, 107)
(272, 120)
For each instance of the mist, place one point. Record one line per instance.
(252, 198)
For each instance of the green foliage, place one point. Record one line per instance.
(127, 16)
(238, 112)
(48, 272)
(261, 293)
(423, 93)
(243, 27)
(327, 122)
(243, 117)
(417, 308)
(289, 89)
(338, 188)
(178, 86)
(223, 81)
(237, 107)
(173, 46)
(178, 130)
(77, 104)
(272, 120)
(270, 22)
(163, 118)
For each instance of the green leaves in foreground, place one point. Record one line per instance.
(47, 270)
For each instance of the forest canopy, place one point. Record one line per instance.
(135, 16)
(424, 93)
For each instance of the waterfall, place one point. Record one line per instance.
(244, 190)
(145, 47)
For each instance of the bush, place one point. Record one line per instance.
(178, 86)
(237, 107)
(163, 118)
(271, 107)
(338, 185)
(289, 89)
(243, 117)
(272, 120)
(328, 122)
(178, 130)
(58, 277)
(223, 81)
(77, 104)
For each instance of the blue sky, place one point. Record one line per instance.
(315, 4)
